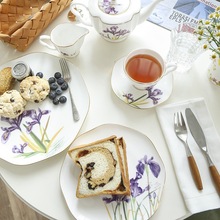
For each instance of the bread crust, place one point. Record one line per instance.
(123, 187)
(6, 80)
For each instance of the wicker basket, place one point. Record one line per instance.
(21, 21)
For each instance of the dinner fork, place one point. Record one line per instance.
(67, 78)
(181, 132)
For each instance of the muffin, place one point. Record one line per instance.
(11, 104)
(34, 89)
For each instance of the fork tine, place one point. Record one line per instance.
(182, 121)
(66, 71)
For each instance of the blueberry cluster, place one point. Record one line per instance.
(57, 86)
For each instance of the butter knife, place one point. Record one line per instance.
(200, 139)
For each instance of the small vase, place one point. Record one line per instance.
(214, 71)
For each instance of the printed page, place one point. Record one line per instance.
(169, 13)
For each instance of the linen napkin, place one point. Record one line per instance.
(195, 200)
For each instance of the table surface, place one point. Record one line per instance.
(38, 184)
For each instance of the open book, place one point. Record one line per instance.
(169, 13)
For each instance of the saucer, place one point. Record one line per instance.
(147, 97)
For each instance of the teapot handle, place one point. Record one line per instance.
(73, 9)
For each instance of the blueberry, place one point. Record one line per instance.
(52, 95)
(51, 80)
(58, 91)
(62, 99)
(56, 101)
(60, 81)
(57, 75)
(64, 86)
(53, 86)
(40, 74)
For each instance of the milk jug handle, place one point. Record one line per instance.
(44, 38)
(73, 9)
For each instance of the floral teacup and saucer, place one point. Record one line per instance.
(141, 79)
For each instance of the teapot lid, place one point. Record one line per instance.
(113, 11)
(113, 7)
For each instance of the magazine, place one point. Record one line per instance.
(169, 13)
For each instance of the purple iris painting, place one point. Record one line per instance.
(114, 33)
(145, 193)
(152, 94)
(32, 131)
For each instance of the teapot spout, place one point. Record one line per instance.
(147, 10)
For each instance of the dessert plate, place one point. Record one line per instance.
(139, 98)
(146, 173)
(43, 129)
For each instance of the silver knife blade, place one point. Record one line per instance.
(199, 137)
(196, 129)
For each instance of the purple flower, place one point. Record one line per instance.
(35, 118)
(116, 198)
(20, 150)
(152, 93)
(108, 8)
(129, 96)
(136, 190)
(154, 166)
(115, 31)
(140, 168)
(15, 125)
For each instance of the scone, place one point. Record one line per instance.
(34, 89)
(6, 80)
(104, 168)
(11, 104)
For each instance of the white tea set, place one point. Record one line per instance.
(114, 20)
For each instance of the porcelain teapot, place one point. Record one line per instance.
(114, 20)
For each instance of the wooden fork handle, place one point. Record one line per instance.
(195, 172)
(215, 176)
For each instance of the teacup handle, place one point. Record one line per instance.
(83, 3)
(46, 37)
(170, 68)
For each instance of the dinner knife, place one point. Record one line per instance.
(200, 139)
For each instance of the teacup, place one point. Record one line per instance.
(145, 67)
(66, 38)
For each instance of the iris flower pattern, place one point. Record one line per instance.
(108, 8)
(114, 32)
(33, 132)
(145, 194)
(152, 94)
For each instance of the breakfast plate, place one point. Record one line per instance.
(148, 97)
(43, 129)
(146, 174)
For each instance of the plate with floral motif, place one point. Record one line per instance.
(146, 173)
(147, 97)
(43, 129)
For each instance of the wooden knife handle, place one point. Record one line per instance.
(215, 176)
(195, 172)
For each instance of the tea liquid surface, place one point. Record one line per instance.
(144, 68)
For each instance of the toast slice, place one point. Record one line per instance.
(104, 167)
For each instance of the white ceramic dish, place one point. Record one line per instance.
(150, 179)
(52, 126)
(146, 98)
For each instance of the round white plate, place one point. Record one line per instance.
(148, 97)
(52, 128)
(146, 187)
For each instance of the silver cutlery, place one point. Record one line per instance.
(181, 132)
(200, 139)
(67, 78)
